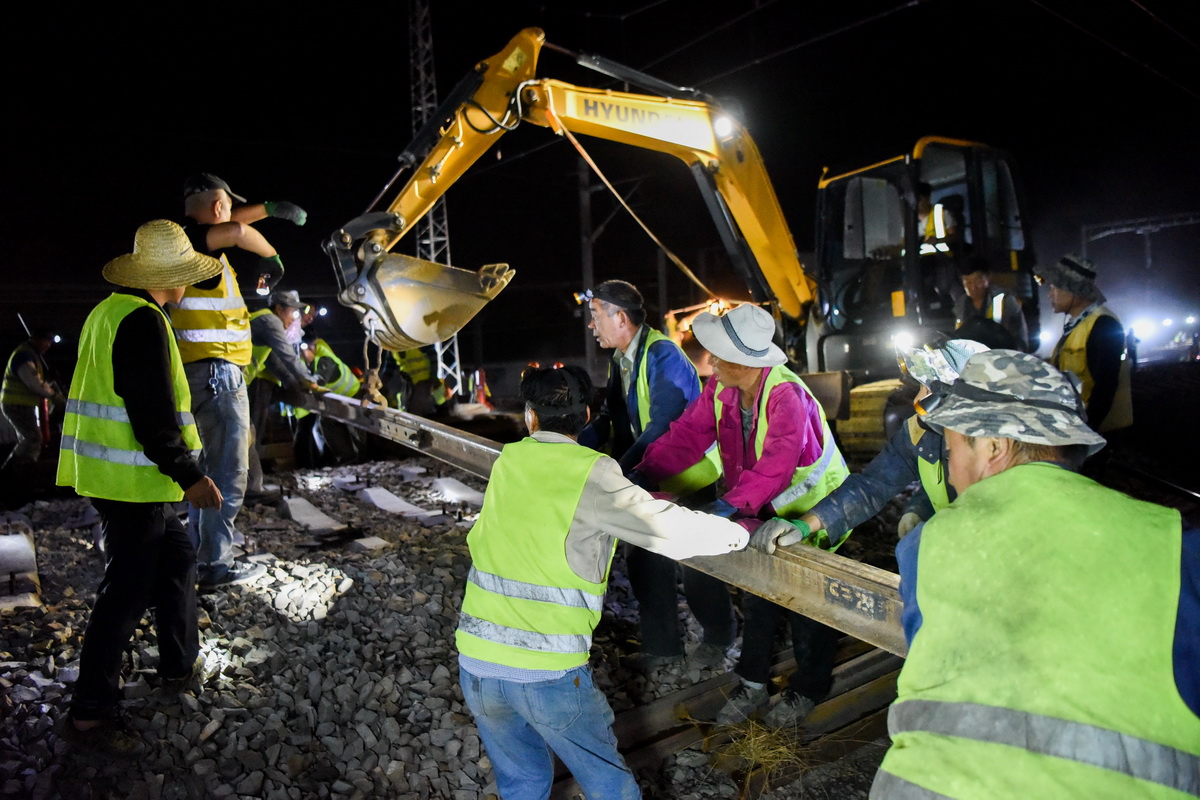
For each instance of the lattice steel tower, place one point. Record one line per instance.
(433, 232)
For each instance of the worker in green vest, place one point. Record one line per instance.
(650, 383)
(25, 387)
(1053, 624)
(129, 445)
(914, 454)
(541, 552)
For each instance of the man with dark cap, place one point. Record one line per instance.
(128, 444)
(541, 552)
(1053, 624)
(213, 328)
(650, 383)
(1092, 346)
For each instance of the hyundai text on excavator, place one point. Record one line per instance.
(885, 259)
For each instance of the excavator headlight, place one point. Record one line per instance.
(723, 127)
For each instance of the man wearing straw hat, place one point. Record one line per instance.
(1092, 346)
(213, 328)
(129, 444)
(1053, 624)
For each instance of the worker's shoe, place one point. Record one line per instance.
(742, 703)
(707, 656)
(110, 738)
(237, 572)
(790, 711)
(189, 681)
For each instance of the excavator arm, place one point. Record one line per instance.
(503, 92)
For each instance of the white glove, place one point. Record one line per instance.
(910, 520)
(778, 532)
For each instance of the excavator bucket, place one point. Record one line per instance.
(404, 302)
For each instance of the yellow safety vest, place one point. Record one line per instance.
(213, 323)
(346, 383)
(1043, 666)
(933, 476)
(1070, 355)
(99, 454)
(259, 353)
(14, 392)
(524, 606)
(810, 484)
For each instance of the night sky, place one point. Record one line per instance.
(108, 112)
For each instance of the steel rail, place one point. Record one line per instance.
(855, 598)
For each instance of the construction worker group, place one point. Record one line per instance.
(1054, 643)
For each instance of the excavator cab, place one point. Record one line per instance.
(890, 241)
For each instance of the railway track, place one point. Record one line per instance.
(857, 599)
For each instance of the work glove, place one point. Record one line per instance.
(779, 532)
(282, 209)
(910, 520)
(719, 508)
(270, 271)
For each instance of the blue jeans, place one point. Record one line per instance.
(222, 412)
(520, 723)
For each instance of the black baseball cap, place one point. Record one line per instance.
(207, 182)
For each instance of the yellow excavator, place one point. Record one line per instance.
(877, 273)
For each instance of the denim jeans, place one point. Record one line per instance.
(520, 723)
(148, 562)
(222, 412)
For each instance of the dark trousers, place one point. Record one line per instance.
(813, 643)
(654, 581)
(149, 561)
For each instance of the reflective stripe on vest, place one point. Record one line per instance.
(213, 323)
(810, 483)
(705, 471)
(561, 643)
(1070, 355)
(100, 455)
(531, 591)
(996, 310)
(1075, 741)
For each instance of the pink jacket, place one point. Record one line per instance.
(793, 440)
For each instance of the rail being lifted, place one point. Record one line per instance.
(855, 598)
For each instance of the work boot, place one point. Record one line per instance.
(707, 656)
(790, 711)
(742, 703)
(238, 572)
(191, 680)
(110, 738)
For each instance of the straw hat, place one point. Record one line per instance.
(740, 336)
(162, 258)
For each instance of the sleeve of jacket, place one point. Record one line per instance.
(789, 429)
(631, 514)
(863, 494)
(1105, 345)
(142, 377)
(673, 387)
(686, 440)
(283, 361)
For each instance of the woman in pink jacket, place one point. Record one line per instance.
(778, 459)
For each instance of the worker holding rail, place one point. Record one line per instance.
(1053, 624)
(778, 458)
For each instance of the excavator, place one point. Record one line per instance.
(878, 273)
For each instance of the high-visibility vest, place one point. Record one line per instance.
(99, 454)
(1070, 355)
(14, 392)
(934, 476)
(259, 353)
(213, 323)
(415, 364)
(811, 483)
(1043, 666)
(707, 469)
(346, 383)
(524, 606)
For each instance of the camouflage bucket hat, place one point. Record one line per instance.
(1013, 395)
(1075, 274)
